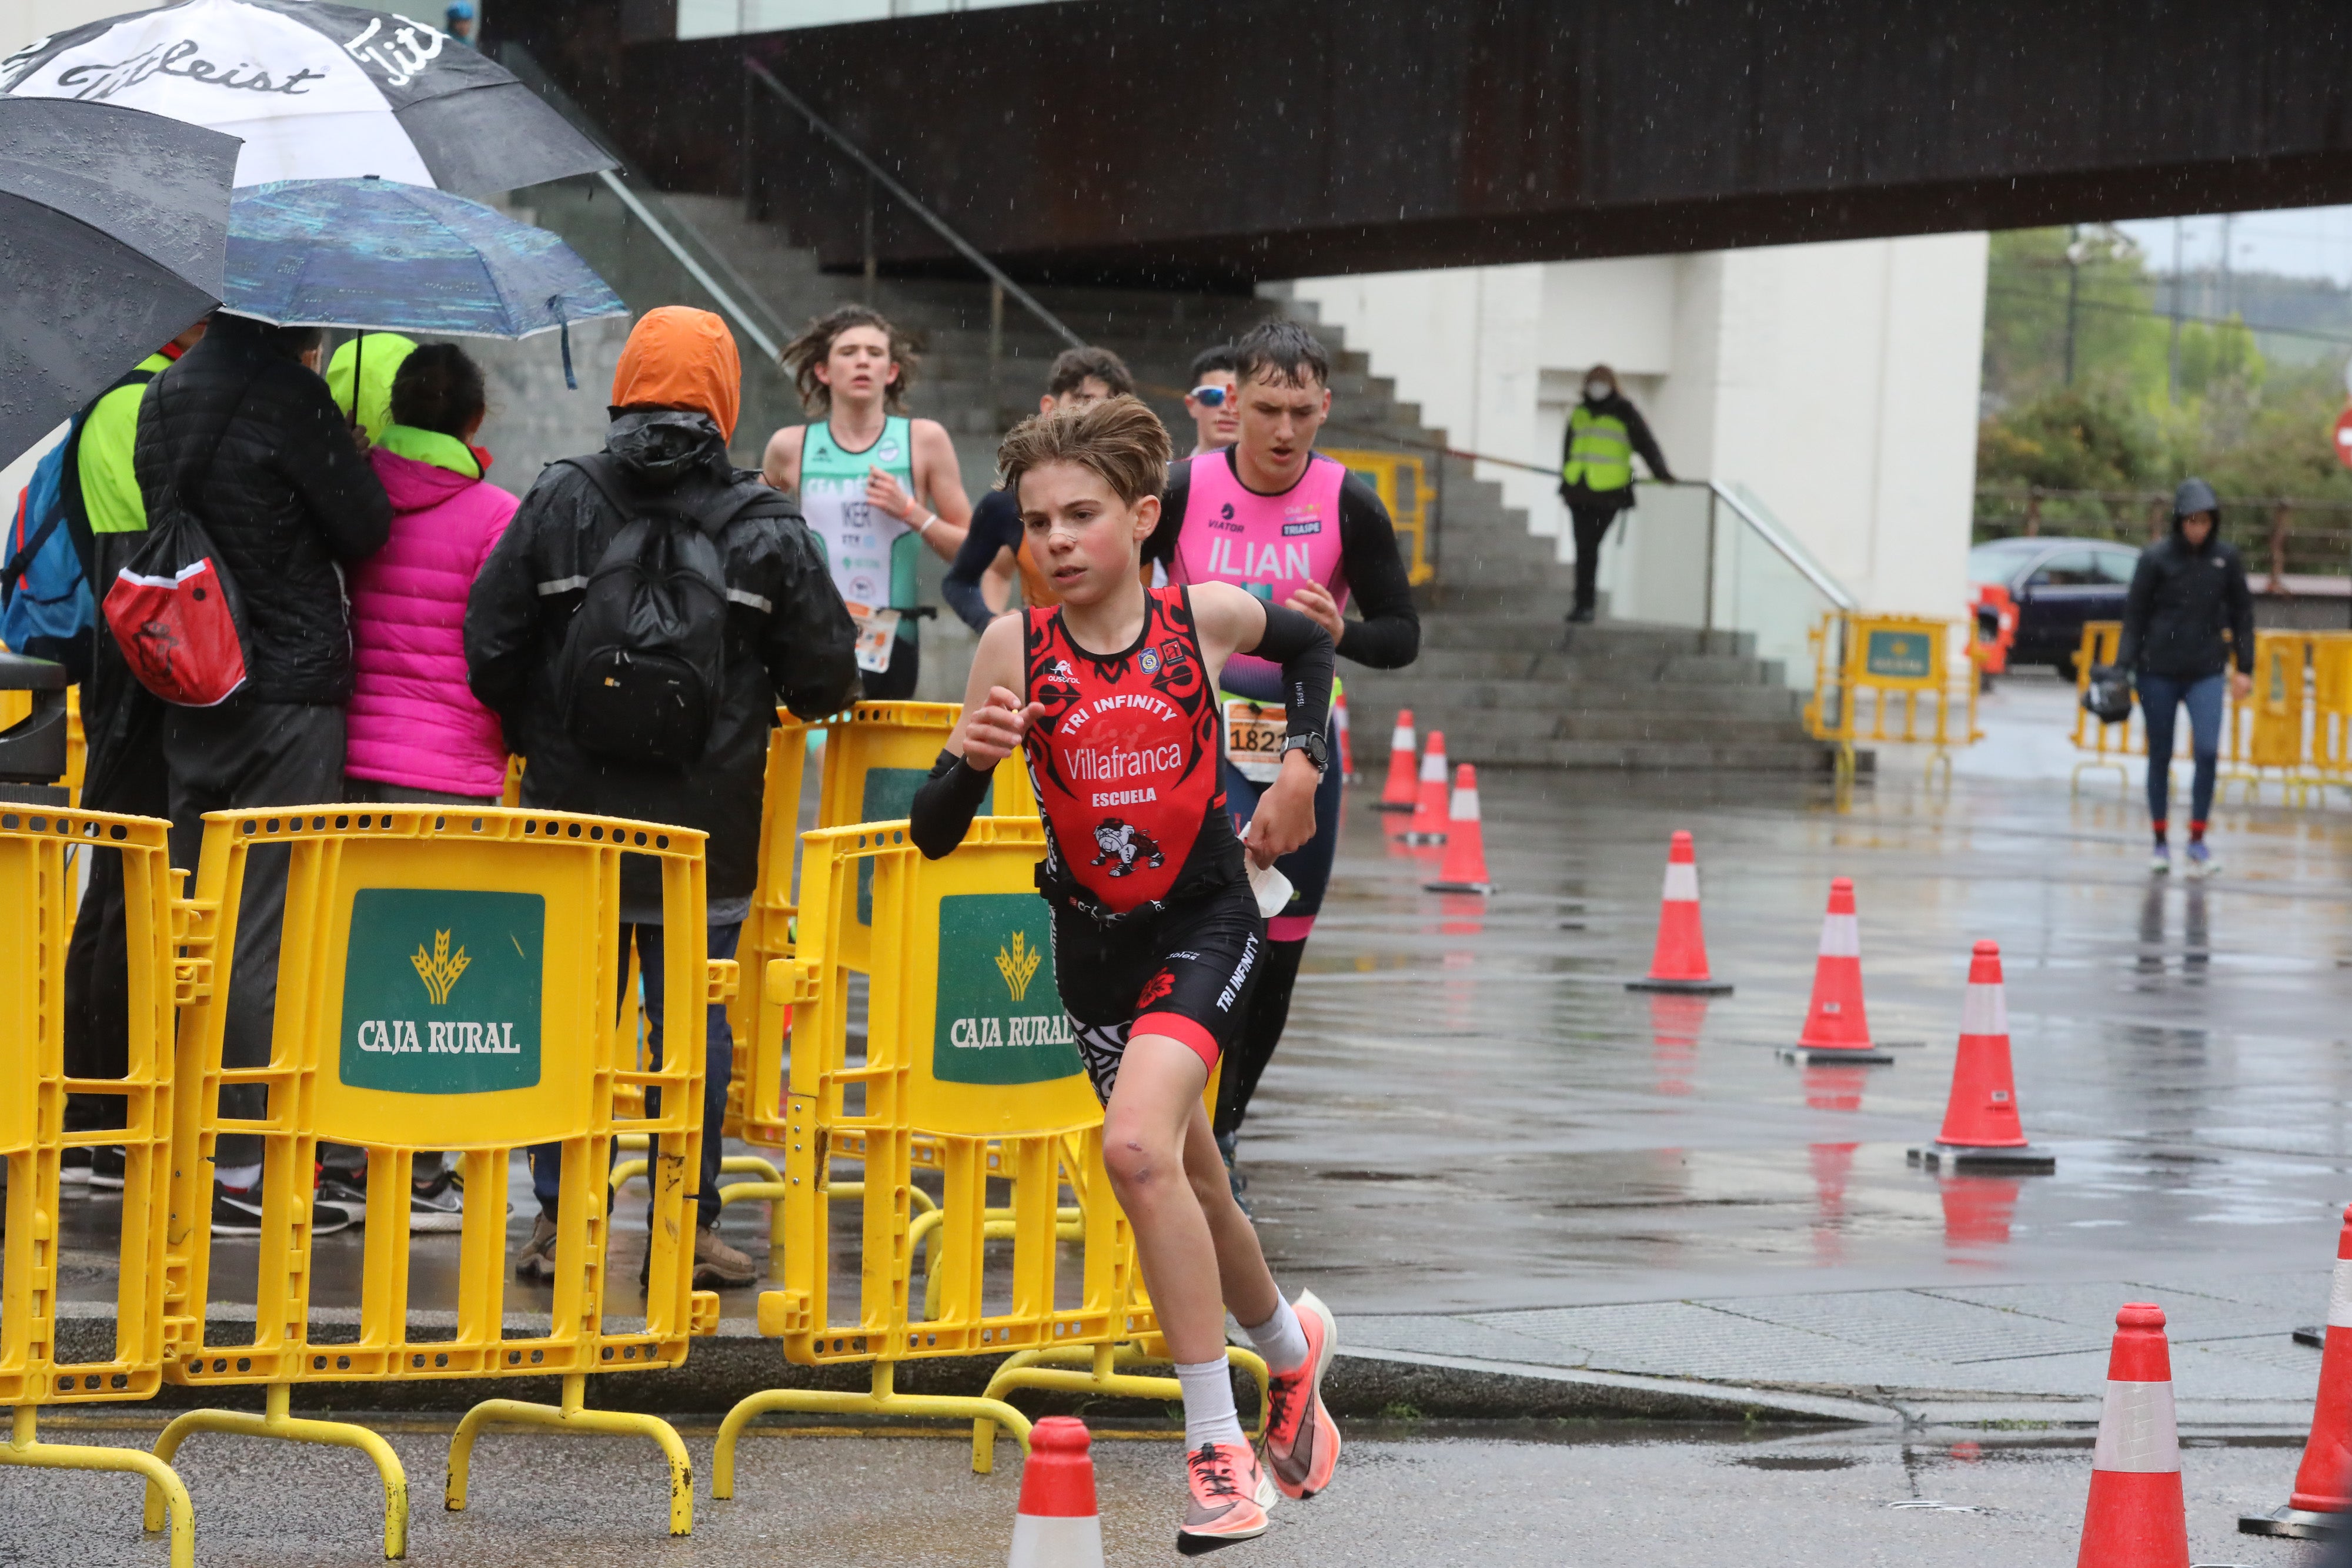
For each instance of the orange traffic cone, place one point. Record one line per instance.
(1679, 964)
(1399, 794)
(1464, 870)
(1057, 1526)
(1428, 824)
(2323, 1486)
(1347, 744)
(1837, 1028)
(1981, 1130)
(2136, 1517)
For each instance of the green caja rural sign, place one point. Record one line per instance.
(1900, 655)
(1000, 1015)
(441, 992)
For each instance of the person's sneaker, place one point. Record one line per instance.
(107, 1166)
(717, 1265)
(1228, 1146)
(344, 1193)
(1581, 615)
(1302, 1442)
(2202, 860)
(236, 1211)
(73, 1167)
(536, 1264)
(438, 1205)
(2160, 860)
(1230, 1497)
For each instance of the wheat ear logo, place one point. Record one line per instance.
(1018, 965)
(440, 969)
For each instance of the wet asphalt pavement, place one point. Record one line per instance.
(1533, 1496)
(1484, 1151)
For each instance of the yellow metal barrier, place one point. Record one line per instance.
(36, 914)
(1899, 660)
(1401, 481)
(446, 982)
(2331, 706)
(969, 1070)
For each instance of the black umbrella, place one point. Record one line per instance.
(113, 226)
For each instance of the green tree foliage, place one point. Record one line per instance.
(2254, 428)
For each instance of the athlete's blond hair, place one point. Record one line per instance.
(1119, 439)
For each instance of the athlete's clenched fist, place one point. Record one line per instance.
(992, 731)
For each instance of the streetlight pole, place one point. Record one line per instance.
(2073, 287)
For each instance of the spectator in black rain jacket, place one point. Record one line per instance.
(2188, 589)
(787, 637)
(282, 487)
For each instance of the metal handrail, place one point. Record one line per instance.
(525, 67)
(1788, 549)
(938, 226)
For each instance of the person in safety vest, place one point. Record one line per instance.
(1596, 471)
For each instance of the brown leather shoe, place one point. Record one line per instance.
(536, 1263)
(717, 1265)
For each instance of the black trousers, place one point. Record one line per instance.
(123, 771)
(1590, 525)
(241, 755)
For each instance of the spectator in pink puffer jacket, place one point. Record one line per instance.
(415, 732)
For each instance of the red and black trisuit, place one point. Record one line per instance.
(1155, 928)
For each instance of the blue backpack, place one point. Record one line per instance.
(46, 610)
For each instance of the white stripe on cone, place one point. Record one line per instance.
(1432, 768)
(1463, 807)
(2136, 1435)
(1400, 739)
(1681, 883)
(1840, 936)
(1984, 1010)
(2339, 1296)
(1057, 1543)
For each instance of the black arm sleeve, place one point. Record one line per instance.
(1304, 651)
(1389, 636)
(995, 526)
(2138, 600)
(1637, 431)
(2242, 615)
(946, 804)
(1161, 546)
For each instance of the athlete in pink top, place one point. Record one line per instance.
(1296, 528)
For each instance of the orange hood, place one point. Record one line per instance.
(677, 356)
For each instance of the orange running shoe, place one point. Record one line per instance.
(1302, 1442)
(1230, 1497)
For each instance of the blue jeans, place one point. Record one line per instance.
(718, 1065)
(2159, 697)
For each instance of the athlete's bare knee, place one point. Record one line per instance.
(1136, 1158)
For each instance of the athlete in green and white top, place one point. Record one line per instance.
(863, 478)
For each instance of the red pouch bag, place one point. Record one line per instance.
(175, 615)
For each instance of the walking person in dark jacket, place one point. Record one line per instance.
(1596, 472)
(787, 636)
(243, 427)
(2188, 589)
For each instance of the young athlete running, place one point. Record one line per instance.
(862, 476)
(1156, 932)
(1216, 420)
(979, 583)
(1295, 528)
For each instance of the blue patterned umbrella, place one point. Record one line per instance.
(375, 253)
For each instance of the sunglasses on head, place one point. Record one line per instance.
(1212, 397)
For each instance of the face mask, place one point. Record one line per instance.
(1596, 391)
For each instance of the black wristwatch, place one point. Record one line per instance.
(1318, 749)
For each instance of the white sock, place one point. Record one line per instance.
(1279, 1340)
(239, 1176)
(1209, 1413)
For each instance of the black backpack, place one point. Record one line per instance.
(643, 669)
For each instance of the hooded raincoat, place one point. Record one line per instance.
(788, 635)
(2183, 597)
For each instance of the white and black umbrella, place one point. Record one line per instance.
(317, 91)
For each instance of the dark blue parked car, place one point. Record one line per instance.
(2058, 584)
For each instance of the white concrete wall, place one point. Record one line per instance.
(1838, 381)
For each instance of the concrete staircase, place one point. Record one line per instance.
(1498, 671)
